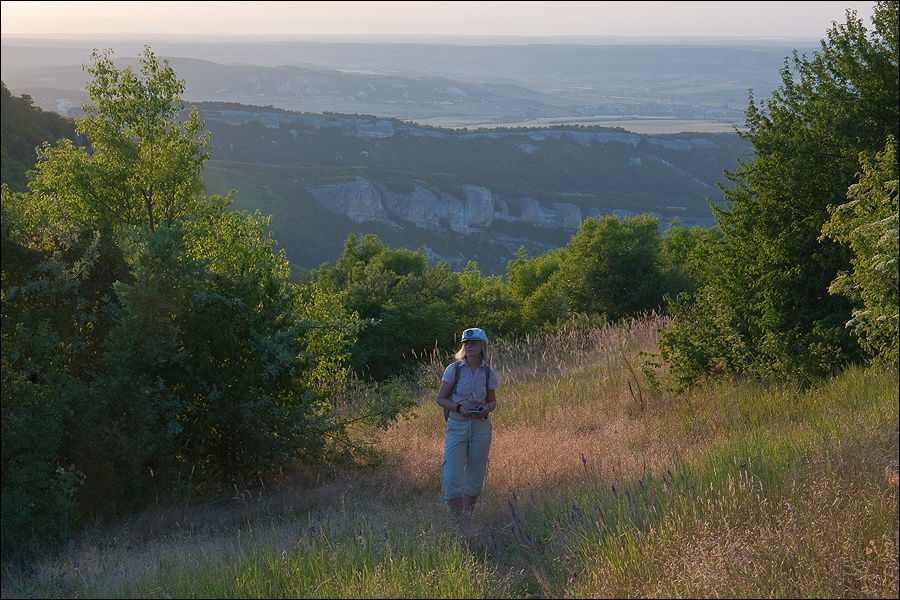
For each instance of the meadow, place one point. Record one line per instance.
(603, 482)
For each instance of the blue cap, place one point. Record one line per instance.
(474, 333)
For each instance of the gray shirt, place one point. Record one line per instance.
(470, 389)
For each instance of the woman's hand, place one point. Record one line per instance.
(471, 414)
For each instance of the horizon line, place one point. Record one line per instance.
(126, 36)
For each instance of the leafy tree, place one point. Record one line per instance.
(610, 268)
(868, 224)
(768, 307)
(486, 302)
(525, 274)
(534, 286)
(687, 257)
(406, 304)
(151, 339)
(144, 163)
(51, 321)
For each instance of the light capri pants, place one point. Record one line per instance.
(466, 448)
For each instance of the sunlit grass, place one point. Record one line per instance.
(601, 484)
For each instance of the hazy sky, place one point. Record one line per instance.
(792, 20)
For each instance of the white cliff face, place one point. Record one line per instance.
(567, 215)
(454, 210)
(560, 215)
(361, 200)
(479, 208)
(530, 211)
(421, 208)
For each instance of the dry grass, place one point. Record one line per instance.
(782, 494)
(805, 544)
(566, 406)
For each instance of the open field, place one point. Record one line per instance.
(640, 126)
(601, 484)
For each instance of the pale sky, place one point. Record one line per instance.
(779, 20)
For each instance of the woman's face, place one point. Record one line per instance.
(473, 348)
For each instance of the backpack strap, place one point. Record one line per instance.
(457, 365)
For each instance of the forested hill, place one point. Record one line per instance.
(460, 195)
(24, 127)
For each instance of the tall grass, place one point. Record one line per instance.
(601, 484)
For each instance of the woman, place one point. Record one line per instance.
(468, 392)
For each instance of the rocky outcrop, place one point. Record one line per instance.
(560, 215)
(359, 200)
(423, 208)
(479, 206)
(475, 209)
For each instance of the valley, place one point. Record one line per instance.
(459, 195)
(465, 148)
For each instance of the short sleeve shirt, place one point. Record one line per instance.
(470, 389)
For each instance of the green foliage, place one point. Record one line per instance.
(152, 342)
(766, 308)
(534, 286)
(487, 301)
(208, 346)
(24, 127)
(609, 269)
(687, 257)
(143, 165)
(406, 304)
(52, 316)
(328, 339)
(868, 224)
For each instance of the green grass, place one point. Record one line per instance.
(600, 485)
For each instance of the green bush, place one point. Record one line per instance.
(868, 224)
(767, 302)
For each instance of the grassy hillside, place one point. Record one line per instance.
(601, 484)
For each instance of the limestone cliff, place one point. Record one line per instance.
(474, 208)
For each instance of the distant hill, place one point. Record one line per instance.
(313, 159)
(25, 127)
(458, 194)
(440, 83)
